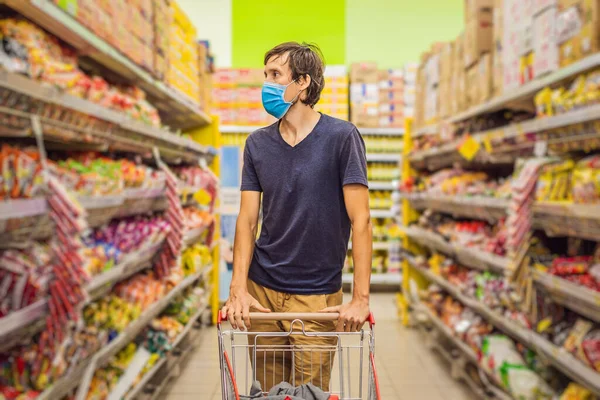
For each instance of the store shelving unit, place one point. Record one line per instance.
(121, 132)
(62, 122)
(484, 208)
(82, 375)
(179, 111)
(502, 146)
(238, 128)
(383, 157)
(559, 357)
(377, 185)
(381, 131)
(458, 359)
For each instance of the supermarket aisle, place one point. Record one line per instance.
(407, 369)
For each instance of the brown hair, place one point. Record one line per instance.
(303, 59)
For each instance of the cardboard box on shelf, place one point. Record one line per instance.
(472, 7)
(431, 105)
(364, 93)
(446, 57)
(473, 90)
(364, 72)
(366, 117)
(391, 109)
(497, 57)
(391, 121)
(484, 79)
(420, 98)
(432, 70)
(205, 91)
(545, 44)
(578, 29)
(392, 97)
(479, 36)
(511, 61)
(445, 107)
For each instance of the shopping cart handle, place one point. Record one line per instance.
(317, 317)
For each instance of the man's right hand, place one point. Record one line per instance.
(238, 307)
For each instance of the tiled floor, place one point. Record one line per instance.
(407, 370)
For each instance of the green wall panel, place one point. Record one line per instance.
(260, 25)
(394, 32)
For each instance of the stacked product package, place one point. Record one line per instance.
(205, 74)
(334, 97)
(126, 25)
(162, 22)
(364, 95)
(505, 44)
(410, 89)
(378, 96)
(182, 73)
(391, 98)
(236, 97)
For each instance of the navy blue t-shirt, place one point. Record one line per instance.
(305, 229)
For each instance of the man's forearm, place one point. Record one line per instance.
(243, 247)
(362, 242)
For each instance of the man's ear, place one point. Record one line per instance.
(304, 82)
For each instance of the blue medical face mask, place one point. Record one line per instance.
(273, 100)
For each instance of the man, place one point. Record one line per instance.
(311, 170)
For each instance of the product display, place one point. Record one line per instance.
(236, 97)
(516, 149)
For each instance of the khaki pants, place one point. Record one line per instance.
(274, 367)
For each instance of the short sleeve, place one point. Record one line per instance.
(353, 160)
(250, 181)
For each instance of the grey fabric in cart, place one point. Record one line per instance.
(285, 391)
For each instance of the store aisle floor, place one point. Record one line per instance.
(407, 369)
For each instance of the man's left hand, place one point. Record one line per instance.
(352, 315)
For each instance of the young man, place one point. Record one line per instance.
(311, 171)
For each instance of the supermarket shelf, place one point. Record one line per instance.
(137, 390)
(530, 89)
(380, 245)
(485, 208)
(129, 265)
(239, 128)
(14, 326)
(568, 219)
(180, 111)
(193, 236)
(382, 131)
(382, 214)
(388, 186)
(578, 298)
(559, 357)
(124, 133)
(427, 130)
(22, 208)
(81, 375)
(383, 279)
(467, 256)
(447, 153)
(467, 352)
(383, 157)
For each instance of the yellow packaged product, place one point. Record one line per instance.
(553, 183)
(586, 181)
(576, 392)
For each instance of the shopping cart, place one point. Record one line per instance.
(351, 378)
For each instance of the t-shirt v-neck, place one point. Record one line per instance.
(305, 228)
(311, 133)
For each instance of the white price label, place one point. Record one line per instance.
(541, 148)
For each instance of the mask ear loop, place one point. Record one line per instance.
(301, 90)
